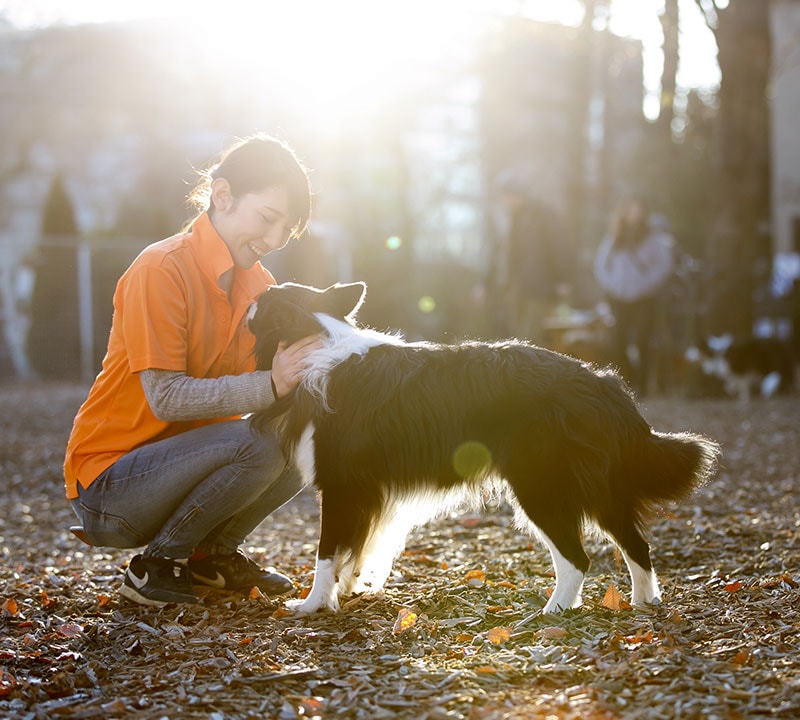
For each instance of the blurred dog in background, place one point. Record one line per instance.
(761, 366)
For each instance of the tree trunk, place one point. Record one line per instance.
(663, 189)
(669, 26)
(578, 147)
(739, 247)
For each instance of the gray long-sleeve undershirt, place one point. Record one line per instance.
(174, 396)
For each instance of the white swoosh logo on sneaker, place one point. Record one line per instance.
(217, 582)
(139, 582)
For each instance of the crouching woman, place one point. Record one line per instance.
(159, 455)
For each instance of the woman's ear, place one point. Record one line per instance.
(221, 195)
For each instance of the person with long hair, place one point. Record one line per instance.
(632, 265)
(160, 455)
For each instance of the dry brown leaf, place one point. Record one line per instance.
(405, 619)
(553, 632)
(312, 706)
(612, 599)
(784, 579)
(7, 682)
(475, 578)
(742, 657)
(498, 635)
(733, 586)
(70, 630)
(10, 607)
(640, 638)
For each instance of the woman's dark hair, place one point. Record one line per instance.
(627, 233)
(252, 165)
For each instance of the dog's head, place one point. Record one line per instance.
(287, 312)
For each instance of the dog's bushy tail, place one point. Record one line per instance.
(674, 465)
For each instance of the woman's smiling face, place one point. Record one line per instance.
(252, 225)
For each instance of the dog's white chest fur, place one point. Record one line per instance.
(304, 455)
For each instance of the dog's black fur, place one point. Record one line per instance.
(388, 419)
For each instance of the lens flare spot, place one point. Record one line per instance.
(426, 304)
(472, 458)
(394, 243)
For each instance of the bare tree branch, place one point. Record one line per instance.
(709, 10)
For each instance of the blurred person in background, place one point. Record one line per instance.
(632, 266)
(159, 454)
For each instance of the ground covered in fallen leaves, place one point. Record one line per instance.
(457, 633)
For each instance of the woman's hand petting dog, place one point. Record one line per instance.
(290, 362)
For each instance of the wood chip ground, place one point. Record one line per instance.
(457, 634)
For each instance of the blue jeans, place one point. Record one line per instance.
(205, 489)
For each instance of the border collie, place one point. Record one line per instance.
(392, 434)
(757, 365)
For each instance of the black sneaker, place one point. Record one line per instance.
(157, 581)
(238, 572)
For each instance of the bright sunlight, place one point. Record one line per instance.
(341, 55)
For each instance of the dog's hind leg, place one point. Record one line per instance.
(636, 551)
(569, 558)
(643, 581)
(570, 563)
(372, 569)
(559, 526)
(387, 541)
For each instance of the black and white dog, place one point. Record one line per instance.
(393, 434)
(743, 368)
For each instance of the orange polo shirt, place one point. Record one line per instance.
(169, 314)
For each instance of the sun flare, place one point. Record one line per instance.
(343, 52)
(341, 56)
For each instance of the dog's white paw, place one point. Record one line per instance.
(645, 588)
(311, 605)
(302, 607)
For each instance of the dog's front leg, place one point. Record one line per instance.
(325, 588)
(324, 591)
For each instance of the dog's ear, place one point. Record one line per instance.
(281, 313)
(342, 300)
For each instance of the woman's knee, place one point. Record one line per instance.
(261, 451)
